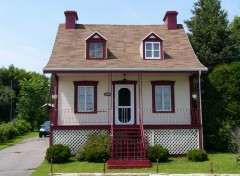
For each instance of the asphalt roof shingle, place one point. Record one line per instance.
(123, 42)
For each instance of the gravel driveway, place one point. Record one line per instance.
(22, 158)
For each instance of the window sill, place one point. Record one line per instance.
(163, 111)
(85, 112)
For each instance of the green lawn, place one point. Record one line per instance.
(224, 163)
(16, 140)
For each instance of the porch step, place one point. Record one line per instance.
(124, 164)
(127, 148)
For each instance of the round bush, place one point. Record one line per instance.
(95, 149)
(3, 132)
(197, 155)
(59, 153)
(11, 130)
(22, 126)
(158, 152)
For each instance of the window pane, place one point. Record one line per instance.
(167, 98)
(148, 46)
(158, 97)
(156, 46)
(167, 106)
(99, 46)
(89, 107)
(81, 90)
(81, 107)
(81, 99)
(89, 90)
(156, 53)
(90, 99)
(158, 90)
(166, 94)
(148, 53)
(92, 54)
(99, 54)
(92, 46)
(158, 106)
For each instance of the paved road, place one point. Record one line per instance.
(23, 158)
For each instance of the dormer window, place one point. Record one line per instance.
(153, 47)
(96, 50)
(152, 50)
(96, 46)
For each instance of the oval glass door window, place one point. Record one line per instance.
(124, 105)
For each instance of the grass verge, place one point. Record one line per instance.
(16, 140)
(224, 163)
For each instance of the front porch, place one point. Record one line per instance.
(181, 116)
(179, 131)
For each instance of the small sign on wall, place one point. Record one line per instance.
(107, 94)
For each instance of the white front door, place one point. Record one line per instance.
(124, 104)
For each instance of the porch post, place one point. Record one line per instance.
(140, 101)
(55, 94)
(200, 108)
(110, 100)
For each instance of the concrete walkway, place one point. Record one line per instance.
(22, 158)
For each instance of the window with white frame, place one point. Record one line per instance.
(95, 50)
(152, 50)
(163, 96)
(85, 96)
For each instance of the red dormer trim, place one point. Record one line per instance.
(96, 38)
(152, 37)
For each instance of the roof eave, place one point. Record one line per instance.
(52, 70)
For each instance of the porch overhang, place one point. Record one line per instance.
(131, 70)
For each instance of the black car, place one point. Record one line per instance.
(45, 129)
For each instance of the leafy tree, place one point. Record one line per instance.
(221, 105)
(9, 88)
(33, 95)
(235, 36)
(209, 34)
(6, 93)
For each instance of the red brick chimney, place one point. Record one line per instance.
(71, 18)
(170, 20)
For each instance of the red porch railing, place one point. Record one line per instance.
(68, 117)
(179, 116)
(104, 117)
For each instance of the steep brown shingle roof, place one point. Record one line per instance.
(123, 42)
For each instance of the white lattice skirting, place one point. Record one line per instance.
(75, 139)
(178, 141)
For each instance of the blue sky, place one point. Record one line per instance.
(28, 28)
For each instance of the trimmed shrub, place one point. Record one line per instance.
(95, 149)
(59, 153)
(197, 155)
(158, 152)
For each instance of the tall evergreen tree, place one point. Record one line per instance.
(235, 36)
(209, 34)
